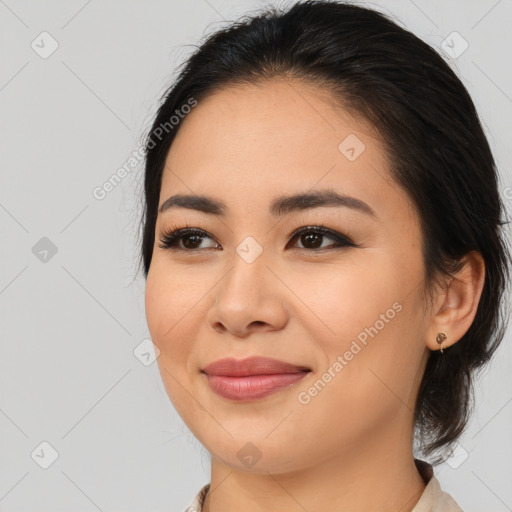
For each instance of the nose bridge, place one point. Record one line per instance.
(248, 268)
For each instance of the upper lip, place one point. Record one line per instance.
(231, 367)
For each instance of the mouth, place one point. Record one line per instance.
(252, 378)
(231, 367)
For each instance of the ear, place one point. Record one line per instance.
(457, 304)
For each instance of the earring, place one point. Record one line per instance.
(441, 337)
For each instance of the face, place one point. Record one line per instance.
(346, 302)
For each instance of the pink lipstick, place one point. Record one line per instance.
(252, 378)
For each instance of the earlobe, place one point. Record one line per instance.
(459, 304)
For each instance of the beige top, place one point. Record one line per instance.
(433, 499)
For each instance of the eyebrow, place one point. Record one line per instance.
(280, 206)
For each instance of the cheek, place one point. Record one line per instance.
(171, 298)
(344, 299)
(364, 319)
(169, 314)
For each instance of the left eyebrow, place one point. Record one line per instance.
(298, 202)
(280, 206)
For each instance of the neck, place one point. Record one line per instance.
(375, 477)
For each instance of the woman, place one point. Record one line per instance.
(324, 262)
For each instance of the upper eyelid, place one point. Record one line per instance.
(325, 231)
(310, 227)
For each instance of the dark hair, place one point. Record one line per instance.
(369, 65)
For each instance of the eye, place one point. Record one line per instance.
(191, 238)
(310, 238)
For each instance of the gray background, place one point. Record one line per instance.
(71, 319)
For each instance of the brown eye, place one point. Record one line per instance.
(191, 239)
(311, 240)
(311, 237)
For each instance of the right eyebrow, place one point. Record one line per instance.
(280, 206)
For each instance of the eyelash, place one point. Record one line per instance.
(174, 234)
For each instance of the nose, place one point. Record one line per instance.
(249, 298)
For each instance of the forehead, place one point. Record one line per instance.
(248, 144)
(279, 127)
(276, 112)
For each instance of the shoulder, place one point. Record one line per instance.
(433, 498)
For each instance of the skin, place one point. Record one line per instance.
(350, 447)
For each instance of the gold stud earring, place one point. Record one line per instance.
(441, 337)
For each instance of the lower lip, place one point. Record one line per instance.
(252, 387)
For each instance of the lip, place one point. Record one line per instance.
(256, 365)
(252, 378)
